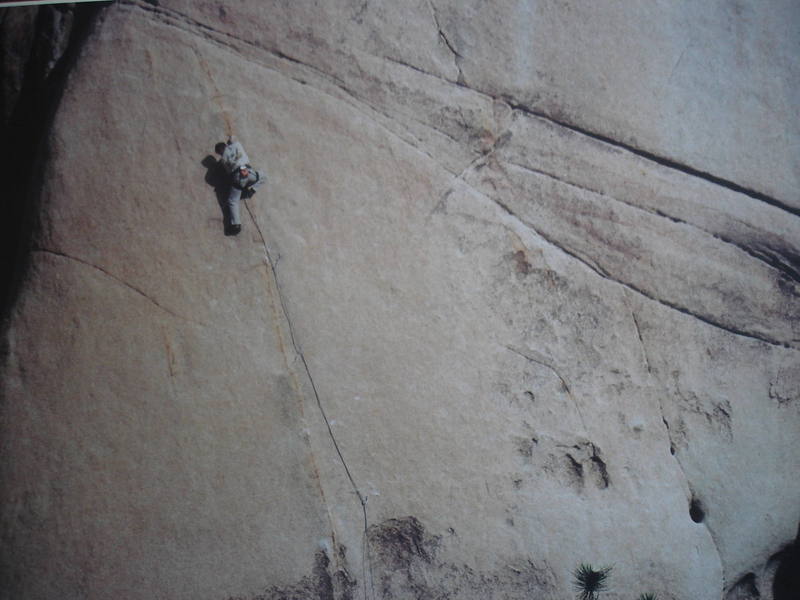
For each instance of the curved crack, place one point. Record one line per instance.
(119, 280)
(564, 384)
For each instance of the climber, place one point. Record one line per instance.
(244, 180)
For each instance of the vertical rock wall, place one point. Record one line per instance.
(521, 292)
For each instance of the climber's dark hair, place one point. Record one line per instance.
(220, 148)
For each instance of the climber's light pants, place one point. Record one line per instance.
(234, 200)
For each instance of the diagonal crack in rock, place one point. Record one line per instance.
(457, 57)
(780, 259)
(119, 280)
(229, 40)
(362, 498)
(661, 160)
(651, 375)
(599, 270)
(185, 24)
(529, 355)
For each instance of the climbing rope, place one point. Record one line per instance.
(229, 131)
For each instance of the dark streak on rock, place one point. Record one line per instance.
(776, 255)
(457, 58)
(666, 162)
(599, 468)
(641, 343)
(403, 63)
(55, 48)
(593, 266)
(575, 469)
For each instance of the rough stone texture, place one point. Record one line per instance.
(521, 293)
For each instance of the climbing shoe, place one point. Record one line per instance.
(234, 229)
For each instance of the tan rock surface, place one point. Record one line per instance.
(529, 302)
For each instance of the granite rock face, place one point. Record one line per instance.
(521, 292)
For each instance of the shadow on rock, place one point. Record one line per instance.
(217, 179)
(786, 585)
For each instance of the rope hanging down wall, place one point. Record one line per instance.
(362, 498)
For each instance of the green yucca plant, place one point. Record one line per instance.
(648, 596)
(590, 581)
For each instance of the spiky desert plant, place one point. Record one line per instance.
(648, 596)
(590, 581)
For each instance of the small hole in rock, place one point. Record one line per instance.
(672, 449)
(696, 511)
